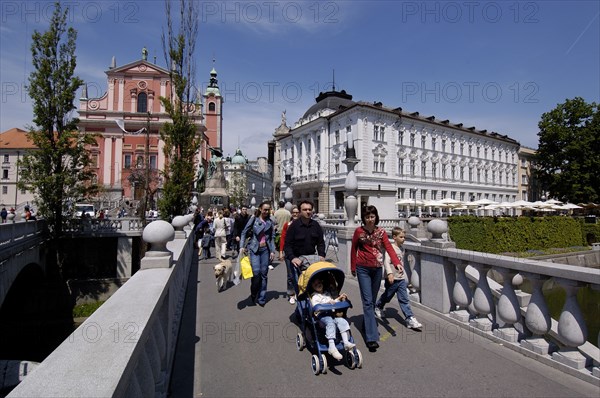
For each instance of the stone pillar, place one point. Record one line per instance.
(537, 317)
(158, 233)
(508, 307)
(344, 237)
(483, 301)
(437, 273)
(572, 330)
(124, 248)
(178, 223)
(462, 293)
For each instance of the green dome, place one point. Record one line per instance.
(238, 158)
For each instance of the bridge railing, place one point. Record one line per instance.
(126, 347)
(449, 281)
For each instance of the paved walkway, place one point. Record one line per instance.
(230, 348)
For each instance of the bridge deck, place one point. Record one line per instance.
(229, 348)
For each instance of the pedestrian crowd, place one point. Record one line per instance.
(296, 238)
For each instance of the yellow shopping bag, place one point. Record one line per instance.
(246, 267)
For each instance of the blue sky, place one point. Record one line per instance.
(496, 65)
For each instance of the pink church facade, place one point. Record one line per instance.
(120, 118)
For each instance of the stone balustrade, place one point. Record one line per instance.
(126, 347)
(449, 281)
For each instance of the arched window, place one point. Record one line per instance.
(142, 103)
(212, 107)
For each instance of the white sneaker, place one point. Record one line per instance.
(335, 353)
(412, 323)
(378, 312)
(348, 346)
(271, 267)
(292, 300)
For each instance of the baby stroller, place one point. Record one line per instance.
(312, 334)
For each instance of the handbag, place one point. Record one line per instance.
(246, 267)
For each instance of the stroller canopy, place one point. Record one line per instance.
(321, 269)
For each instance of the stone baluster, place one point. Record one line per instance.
(415, 276)
(508, 308)
(483, 301)
(178, 223)
(537, 317)
(461, 293)
(572, 331)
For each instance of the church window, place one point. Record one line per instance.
(212, 107)
(142, 103)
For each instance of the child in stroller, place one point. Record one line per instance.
(328, 319)
(319, 314)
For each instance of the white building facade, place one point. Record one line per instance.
(402, 156)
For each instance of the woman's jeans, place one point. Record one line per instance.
(260, 269)
(399, 288)
(329, 322)
(369, 282)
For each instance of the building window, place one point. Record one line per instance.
(337, 168)
(5, 158)
(478, 176)
(339, 200)
(142, 103)
(443, 171)
(423, 141)
(523, 163)
(412, 139)
(423, 169)
(470, 150)
(462, 148)
(4, 190)
(336, 137)
(434, 170)
(413, 166)
(493, 177)
(5, 174)
(433, 195)
(443, 145)
(452, 146)
(400, 166)
(485, 153)
(485, 176)
(318, 143)
(453, 172)
(379, 164)
(212, 107)
(433, 143)
(470, 174)
(524, 179)
(94, 160)
(462, 173)
(462, 196)
(127, 161)
(153, 162)
(400, 137)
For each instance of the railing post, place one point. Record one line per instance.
(572, 331)
(158, 233)
(483, 301)
(508, 307)
(462, 292)
(537, 317)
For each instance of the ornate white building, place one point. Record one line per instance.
(402, 156)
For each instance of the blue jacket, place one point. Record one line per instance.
(258, 226)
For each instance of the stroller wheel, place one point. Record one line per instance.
(300, 343)
(359, 359)
(315, 364)
(324, 370)
(350, 359)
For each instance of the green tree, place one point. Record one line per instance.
(58, 171)
(180, 136)
(568, 158)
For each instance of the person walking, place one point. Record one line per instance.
(238, 226)
(304, 237)
(369, 243)
(288, 264)
(3, 215)
(220, 228)
(259, 235)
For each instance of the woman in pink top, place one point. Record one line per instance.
(366, 261)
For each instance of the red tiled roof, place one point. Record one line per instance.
(15, 138)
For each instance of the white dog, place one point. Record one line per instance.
(223, 272)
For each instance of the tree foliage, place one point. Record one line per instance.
(568, 158)
(58, 172)
(180, 135)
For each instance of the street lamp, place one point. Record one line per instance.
(415, 197)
